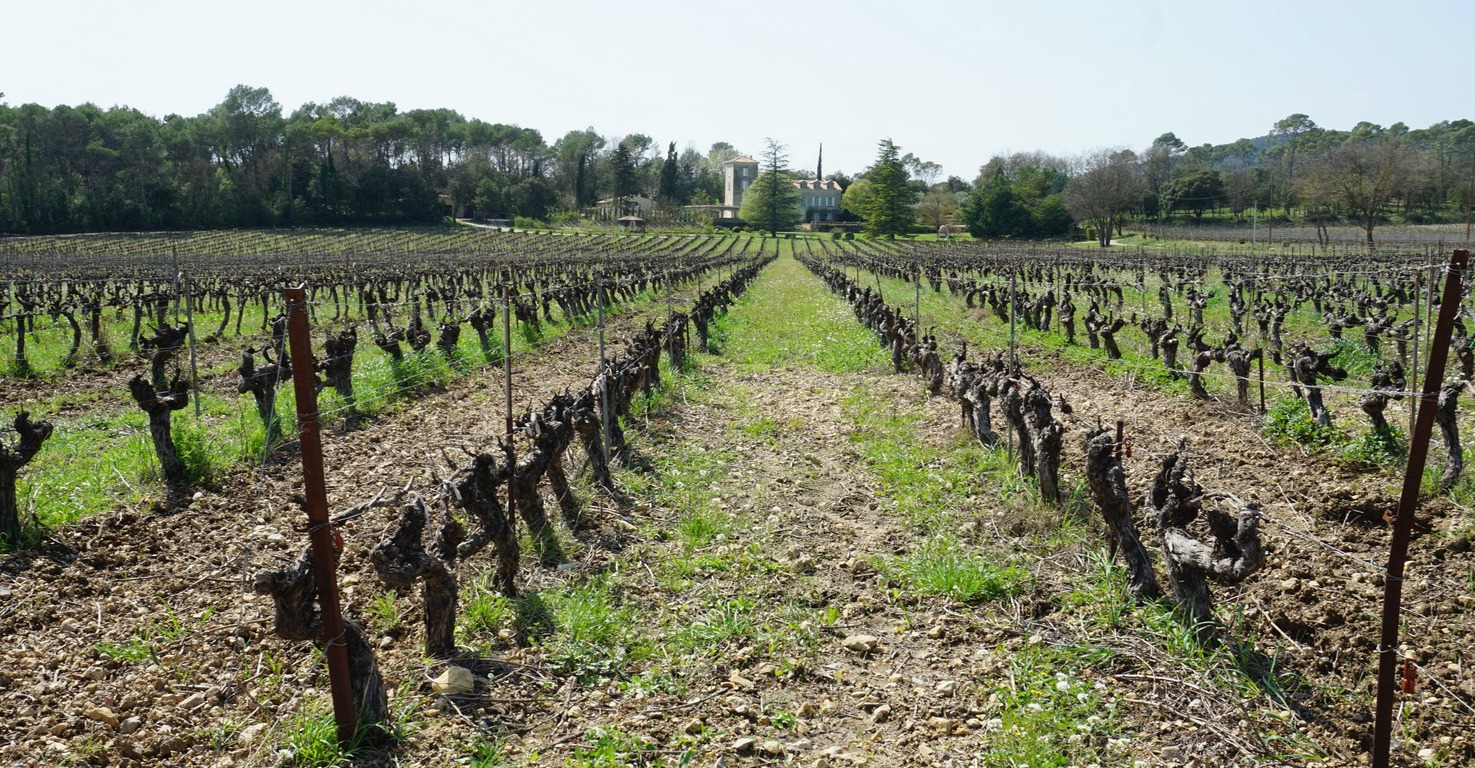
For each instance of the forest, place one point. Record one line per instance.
(248, 162)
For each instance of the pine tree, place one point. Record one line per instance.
(772, 202)
(890, 209)
(994, 210)
(622, 165)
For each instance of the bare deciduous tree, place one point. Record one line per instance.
(1362, 176)
(1108, 187)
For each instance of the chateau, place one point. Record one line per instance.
(820, 198)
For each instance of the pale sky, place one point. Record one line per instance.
(952, 82)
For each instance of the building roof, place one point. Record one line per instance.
(741, 159)
(823, 185)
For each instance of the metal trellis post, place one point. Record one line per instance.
(1408, 502)
(319, 529)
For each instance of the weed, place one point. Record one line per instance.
(591, 633)
(783, 719)
(941, 567)
(726, 621)
(1289, 421)
(613, 748)
(1386, 447)
(1050, 714)
(483, 609)
(383, 614)
(1354, 356)
(312, 737)
(487, 754)
(762, 426)
(134, 650)
(700, 526)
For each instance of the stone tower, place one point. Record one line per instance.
(737, 174)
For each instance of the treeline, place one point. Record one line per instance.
(247, 163)
(1298, 171)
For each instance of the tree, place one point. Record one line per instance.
(936, 208)
(993, 210)
(575, 155)
(1292, 131)
(1159, 165)
(778, 204)
(957, 184)
(889, 211)
(857, 196)
(1108, 188)
(669, 189)
(772, 202)
(1194, 190)
(1363, 176)
(622, 168)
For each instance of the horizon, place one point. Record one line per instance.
(117, 56)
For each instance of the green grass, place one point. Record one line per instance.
(726, 621)
(312, 737)
(1289, 421)
(790, 318)
(933, 488)
(382, 613)
(105, 459)
(942, 567)
(589, 630)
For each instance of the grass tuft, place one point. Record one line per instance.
(942, 567)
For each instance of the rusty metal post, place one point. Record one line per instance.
(194, 365)
(603, 374)
(917, 300)
(1013, 310)
(318, 526)
(507, 390)
(1260, 363)
(1408, 502)
(507, 345)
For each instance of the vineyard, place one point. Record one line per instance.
(602, 500)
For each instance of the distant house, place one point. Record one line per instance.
(820, 198)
